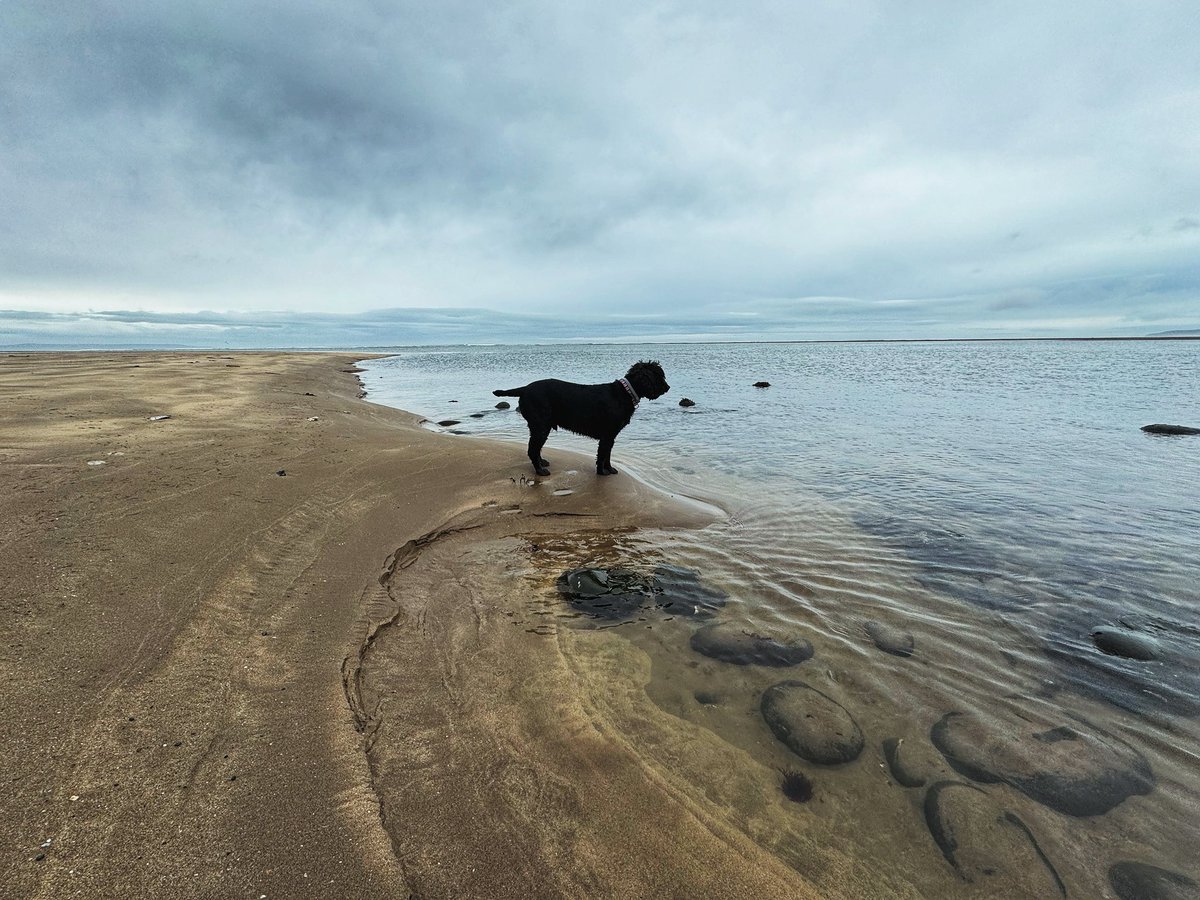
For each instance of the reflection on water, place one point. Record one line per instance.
(979, 532)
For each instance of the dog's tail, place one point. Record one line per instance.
(512, 392)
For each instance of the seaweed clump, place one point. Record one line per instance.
(796, 786)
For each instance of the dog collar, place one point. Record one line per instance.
(629, 388)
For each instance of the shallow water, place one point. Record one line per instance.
(997, 502)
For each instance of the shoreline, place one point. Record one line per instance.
(180, 621)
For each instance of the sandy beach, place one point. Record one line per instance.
(270, 646)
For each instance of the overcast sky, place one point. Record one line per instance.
(573, 170)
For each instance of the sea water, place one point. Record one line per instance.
(994, 502)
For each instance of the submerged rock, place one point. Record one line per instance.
(686, 402)
(1141, 881)
(890, 638)
(911, 764)
(1074, 768)
(620, 593)
(1126, 642)
(606, 593)
(1169, 429)
(446, 423)
(987, 844)
(1143, 663)
(503, 404)
(812, 724)
(733, 644)
(762, 384)
(682, 593)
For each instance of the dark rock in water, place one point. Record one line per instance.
(946, 555)
(890, 639)
(1145, 664)
(606, 593)
(446, 423)
(1127, 643)
(476, 415)
(503, 404)
(707, 698)
(682, 593)
(812, 724)
(619, 593)
(733, 644)
(1072, 766)
(686, 402)
(1169, 429)
(987, 844)
(1140, 881)
(761, 384)
(905, 765)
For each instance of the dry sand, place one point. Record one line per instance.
(221, 681)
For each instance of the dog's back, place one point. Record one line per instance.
(593, 410)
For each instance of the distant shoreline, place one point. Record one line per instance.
(390, 348)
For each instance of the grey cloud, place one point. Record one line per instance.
(540, 157)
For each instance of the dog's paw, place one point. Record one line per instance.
(608, 470)
(543, 470)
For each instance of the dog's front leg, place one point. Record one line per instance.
(537, 440)
(603, 460)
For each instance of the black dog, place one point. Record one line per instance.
(597, 411)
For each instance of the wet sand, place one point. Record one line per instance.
(224, 681)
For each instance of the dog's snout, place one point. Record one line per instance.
(666, 387)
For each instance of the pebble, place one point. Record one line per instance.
(686, 402)
(446, 423)
(988, 845)
(734, 644)
(503, 404)
(1141, 881)
(890, 638)
(1072, 766)
(812, 724)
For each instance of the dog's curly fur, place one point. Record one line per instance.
(597, 411)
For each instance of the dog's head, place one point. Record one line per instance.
(647, 379)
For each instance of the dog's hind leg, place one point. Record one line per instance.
(537, 440)
(603, 462)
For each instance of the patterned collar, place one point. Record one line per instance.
(624, 382)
